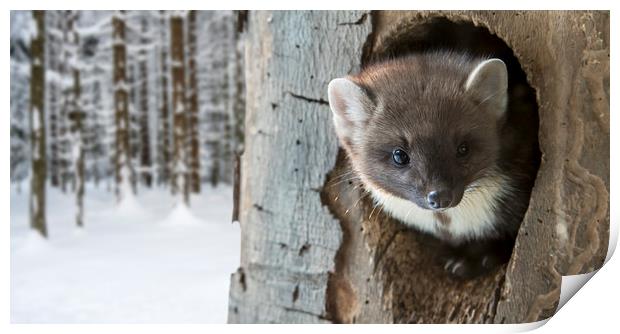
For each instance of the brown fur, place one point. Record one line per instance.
(420, 104)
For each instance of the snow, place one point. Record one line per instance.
(145, 262)
(32, 244)
(181, 215)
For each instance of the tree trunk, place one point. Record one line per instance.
(133, 131)
(228, 144)
(97, 137)
(216, 161)
(313, 247)
(145, 139)
(78, 118)
(180, 179)
(55, 24)
(76, 115)
(164, 117)
(192, 104)
(289, 239)
(66, 90)
(122, 159)
(37, 125)
(238, 108)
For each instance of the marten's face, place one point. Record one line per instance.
(427, 161)
(426, 139)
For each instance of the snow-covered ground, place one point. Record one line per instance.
(146, 261)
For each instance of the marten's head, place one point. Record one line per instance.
(423, 128)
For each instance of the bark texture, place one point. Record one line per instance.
(37, 125)
(76, 117)
(66, 91)
(122, 169)
(146, 168)
(238, 107)
(180, 182)
(379, 271)
(289, 238)
(54, 24)
(164, 118)
(192, 105)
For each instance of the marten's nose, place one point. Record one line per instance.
(439, 199)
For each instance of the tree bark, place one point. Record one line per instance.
(76, 116)
(133, 103)
(180, 173)
(145, 138)
(238, 107)
(192, 105)
(122, 158)
(289, 239)
(37, 126)
(164, 117)
(55, 24)
(64, 142)
(314, 248)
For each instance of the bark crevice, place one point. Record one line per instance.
(308, 99)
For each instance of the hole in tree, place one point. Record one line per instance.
(404, 258)
(440, 33)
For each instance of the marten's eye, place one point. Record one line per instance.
(462, 150)
(400, 157)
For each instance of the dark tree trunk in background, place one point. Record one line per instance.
(134, 118)
(215, 164)
(192, 104)
(238, 107)
(313, 249)
(145, 149)
(164, 117)
(54, 53)
(37, 126)
(66, 89)
(122, 168)
(76, 116)
(180, 172)
(96, 133)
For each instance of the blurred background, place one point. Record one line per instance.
(126, 127)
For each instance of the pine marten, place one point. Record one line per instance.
(437, 141)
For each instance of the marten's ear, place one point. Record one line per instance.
(350, 107)
(489, 84)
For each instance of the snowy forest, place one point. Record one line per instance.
(125, 100)
(126, 130)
